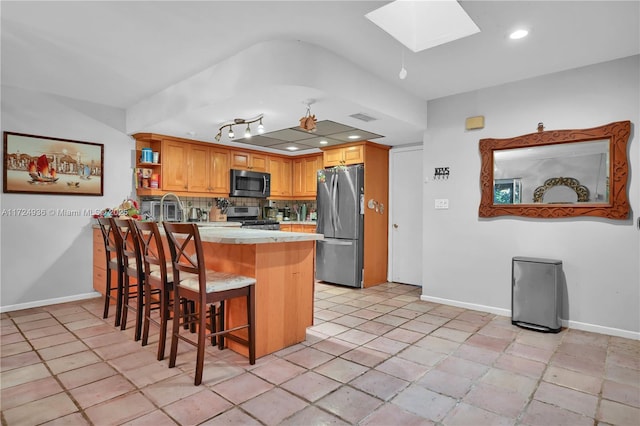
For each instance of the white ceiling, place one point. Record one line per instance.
(137, 55)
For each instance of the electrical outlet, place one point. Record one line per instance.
(441, 203)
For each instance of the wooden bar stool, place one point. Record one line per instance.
(133, 269)
(158, 283)
(204, 288)
(113, 252)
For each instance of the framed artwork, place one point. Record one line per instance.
(44, 165)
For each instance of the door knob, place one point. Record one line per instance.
(395, 225)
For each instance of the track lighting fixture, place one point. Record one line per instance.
(237, 121)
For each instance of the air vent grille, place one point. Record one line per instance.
(363, 117)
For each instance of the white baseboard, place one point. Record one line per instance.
(55, 301)
(472, 306)
(627, 334)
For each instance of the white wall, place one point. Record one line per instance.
(49, 259)
(467, 260)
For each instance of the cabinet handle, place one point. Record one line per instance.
(395, 225)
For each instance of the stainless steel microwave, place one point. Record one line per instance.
(245, 183)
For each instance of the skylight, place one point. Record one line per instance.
(420, 25)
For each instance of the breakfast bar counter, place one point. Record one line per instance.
(283, 264)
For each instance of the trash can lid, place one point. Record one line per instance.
(536, 260)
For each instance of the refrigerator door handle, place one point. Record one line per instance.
(334, 211)
(333, 242)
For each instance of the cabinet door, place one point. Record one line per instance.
(353, 155)
(258, 162)
(311, 167)
(248, 161)
(199, 169)
(240, 160)
(280, 170)
(175, 161)
(333, 157)
(219, 171)
(297, 182)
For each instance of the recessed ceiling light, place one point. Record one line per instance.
(354, 137)
(518, 34)
(292, 148)
(323, 142)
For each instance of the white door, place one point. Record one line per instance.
(405, 231)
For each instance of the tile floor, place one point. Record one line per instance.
(377, 356)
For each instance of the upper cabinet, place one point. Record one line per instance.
(175, 168)
(243, 160)
(342, 156)
(208, 170)
(280, 170)
(305, 169)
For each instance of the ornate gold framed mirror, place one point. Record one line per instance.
(557, 173)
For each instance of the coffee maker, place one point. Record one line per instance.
(270, 210)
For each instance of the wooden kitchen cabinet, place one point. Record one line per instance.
(303, 227)
(280, 170)
(243, 160)
(305, 171)
(352, 154)
(175, 166)
(208, 170)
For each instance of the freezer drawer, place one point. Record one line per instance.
(536, 293)
(339, 262)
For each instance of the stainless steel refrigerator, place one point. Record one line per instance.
(340, 203)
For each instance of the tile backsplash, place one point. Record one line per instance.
(207, 203)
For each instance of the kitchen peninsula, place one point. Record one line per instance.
(283, 265)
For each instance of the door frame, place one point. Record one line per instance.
(391, 208)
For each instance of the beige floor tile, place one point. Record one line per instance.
(119, 410)
(101, 390)
(614, 413)
(349, 404)
(446, 383)
(234, 416)
(85, 375)
(403, 369)
(19, 376)
(28, 392)
(308, 357)
(379, 384)
(465, 415)
(391, 414)
(21, 359)
(196, 408)
(313, 416)
(311, 386)
(501, 401)
(40, 410)
(621, 392)
(569, 399)
(58, 351)
(341, 370)
(242, 388)
(425, 403)
(572, 379)
(73, 361)
(273, 406)
(539, 413)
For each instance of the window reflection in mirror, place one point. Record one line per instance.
(517, 173)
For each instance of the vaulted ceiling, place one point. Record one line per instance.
(184, 68)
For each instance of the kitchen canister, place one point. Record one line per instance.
(154, 181)
(147, 155)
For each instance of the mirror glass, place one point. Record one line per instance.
(557, 173)
(518, 173)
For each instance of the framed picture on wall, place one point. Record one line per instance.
(44, 165)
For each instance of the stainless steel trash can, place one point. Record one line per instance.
(536, 293)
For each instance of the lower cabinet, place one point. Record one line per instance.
(298, 227)
(99, 263)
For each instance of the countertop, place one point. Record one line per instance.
(253, 236)
(221, 232)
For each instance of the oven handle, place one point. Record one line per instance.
(264, 184)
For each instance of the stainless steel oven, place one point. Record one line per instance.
(245, 183)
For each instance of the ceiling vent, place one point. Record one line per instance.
(363, 117)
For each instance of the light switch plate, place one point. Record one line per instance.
(441, 203)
